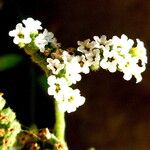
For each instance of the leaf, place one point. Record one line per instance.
(8, 61)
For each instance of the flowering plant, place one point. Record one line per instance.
(64, 68)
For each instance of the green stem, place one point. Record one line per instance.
(60, 125)
(59, 128)
(39, 59)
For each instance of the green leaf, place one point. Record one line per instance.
(8, 61)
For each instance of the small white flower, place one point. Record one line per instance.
(72, 74)
(85, 46)
(110, 60)
(102, 42)
(67, 58)
(141, 51)
(130, 68)
(72, 100)
(93, 57)
(32, 25)
(72, 78)
(104, 63)
(72, 68)
(54, 65)
(49, 37)
(123, 44)
(20, 34)
(111, 66)
(84, 64)
(41, 42)
(57, 87)
(44, 38)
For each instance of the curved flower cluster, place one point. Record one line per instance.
(66, 66)
(9, 126)
(117, 54)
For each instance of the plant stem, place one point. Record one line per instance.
(59, 128)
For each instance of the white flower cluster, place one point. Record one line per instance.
(59, 82)
(116, 54)
(65, 72)
(66, 66)
(28, 32)
(68, 98)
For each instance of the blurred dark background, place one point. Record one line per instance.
(116, 113)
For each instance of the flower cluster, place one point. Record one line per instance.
(9, 126)
(66, 66)
(116, 54)
(38, 139)
(28, 33)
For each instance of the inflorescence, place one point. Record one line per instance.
(66, 66)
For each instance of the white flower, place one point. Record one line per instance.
(102, 42)
(67, 58)
(20, 34)
(110, 60)
(129, 73)
(72, 100)
(140, 51)
(130, 68)
(72, 68)
(57, 87)
(44, 38)
(84, 64)
(72, 72)
(72, 77)
(93, 58)
(67, 98)
(123, 44)
(85, 46)
(41, 42)
(49, 37)
(111, 66)
(54, 65)
(32, 25)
